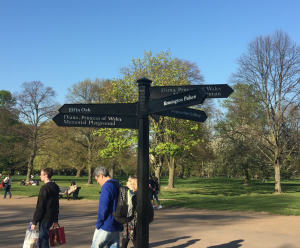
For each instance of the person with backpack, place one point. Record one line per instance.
(7, 185)
(107, 228)
(130, 228)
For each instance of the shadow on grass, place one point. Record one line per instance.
(232, 244)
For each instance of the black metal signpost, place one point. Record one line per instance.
(174, 101)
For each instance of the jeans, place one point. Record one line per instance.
(43, 241)
(155, 196)
(105, 239)
(6, 190)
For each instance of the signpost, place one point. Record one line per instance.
(100, 121)
(184, 99)
(103, 109)
(174, 101)
(186, 114)
(212, 90)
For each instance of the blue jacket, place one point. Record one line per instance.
(107, 205)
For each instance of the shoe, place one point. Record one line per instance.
(10, 196)
(159, 207)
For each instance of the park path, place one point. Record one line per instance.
(172, 227)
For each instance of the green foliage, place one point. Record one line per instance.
(6, 99)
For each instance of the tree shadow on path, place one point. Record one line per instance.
(232, 244)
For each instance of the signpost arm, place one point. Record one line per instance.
(143, 164)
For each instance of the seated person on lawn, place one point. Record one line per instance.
(71, 189)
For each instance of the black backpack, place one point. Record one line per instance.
(126, 204)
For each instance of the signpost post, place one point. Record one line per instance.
(167, 101)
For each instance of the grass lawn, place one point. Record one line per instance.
(200, 193)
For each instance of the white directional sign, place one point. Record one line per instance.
(185, 99)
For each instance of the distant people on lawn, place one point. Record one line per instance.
(107, 229)
(35, 183)
(71, 189)
(47, 207)
(22, 182)
(7, 185)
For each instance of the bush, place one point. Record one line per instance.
(5, 172)
(20, 173)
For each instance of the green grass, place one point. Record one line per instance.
(200, 193)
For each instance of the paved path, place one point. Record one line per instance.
(177, 228)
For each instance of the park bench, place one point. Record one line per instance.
(62, 191)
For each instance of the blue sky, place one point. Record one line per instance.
(62, 42)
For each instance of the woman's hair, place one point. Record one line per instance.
(73, 183)
(155, 179)
(133, 185)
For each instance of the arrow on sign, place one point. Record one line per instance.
(104, 109)
(186, 114)
(99, 121)
(213, 90)
(185, 99)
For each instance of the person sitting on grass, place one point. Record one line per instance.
(71, 189)
(22, 182)
(35, 183)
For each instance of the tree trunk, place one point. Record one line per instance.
(90, 179)
(29, 170)
(246, 177)
(171, 173)
(30, 162)
(277, 178)
(181, 170)
(203, 171)
(112, 169)
(157, 172)
(79, 171)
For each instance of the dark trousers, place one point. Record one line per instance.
(43, 240)
(7, 190)
(125, 242)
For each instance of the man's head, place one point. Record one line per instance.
(8, 174)
(150, 177)
(101, 175)
(46, 174)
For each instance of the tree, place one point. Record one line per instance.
(271, 66)
(6, 99)
(163, 70)
(12, 145)
(86, 92)
(36, 106)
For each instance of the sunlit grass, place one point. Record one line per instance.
(200, 193)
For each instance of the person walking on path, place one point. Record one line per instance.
(47, 207)
(107, 229)
(155, 193)
(151, 189)
(130, 228)
(7, 185)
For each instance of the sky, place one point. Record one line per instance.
(62, 42)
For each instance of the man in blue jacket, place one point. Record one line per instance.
(107, 229)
